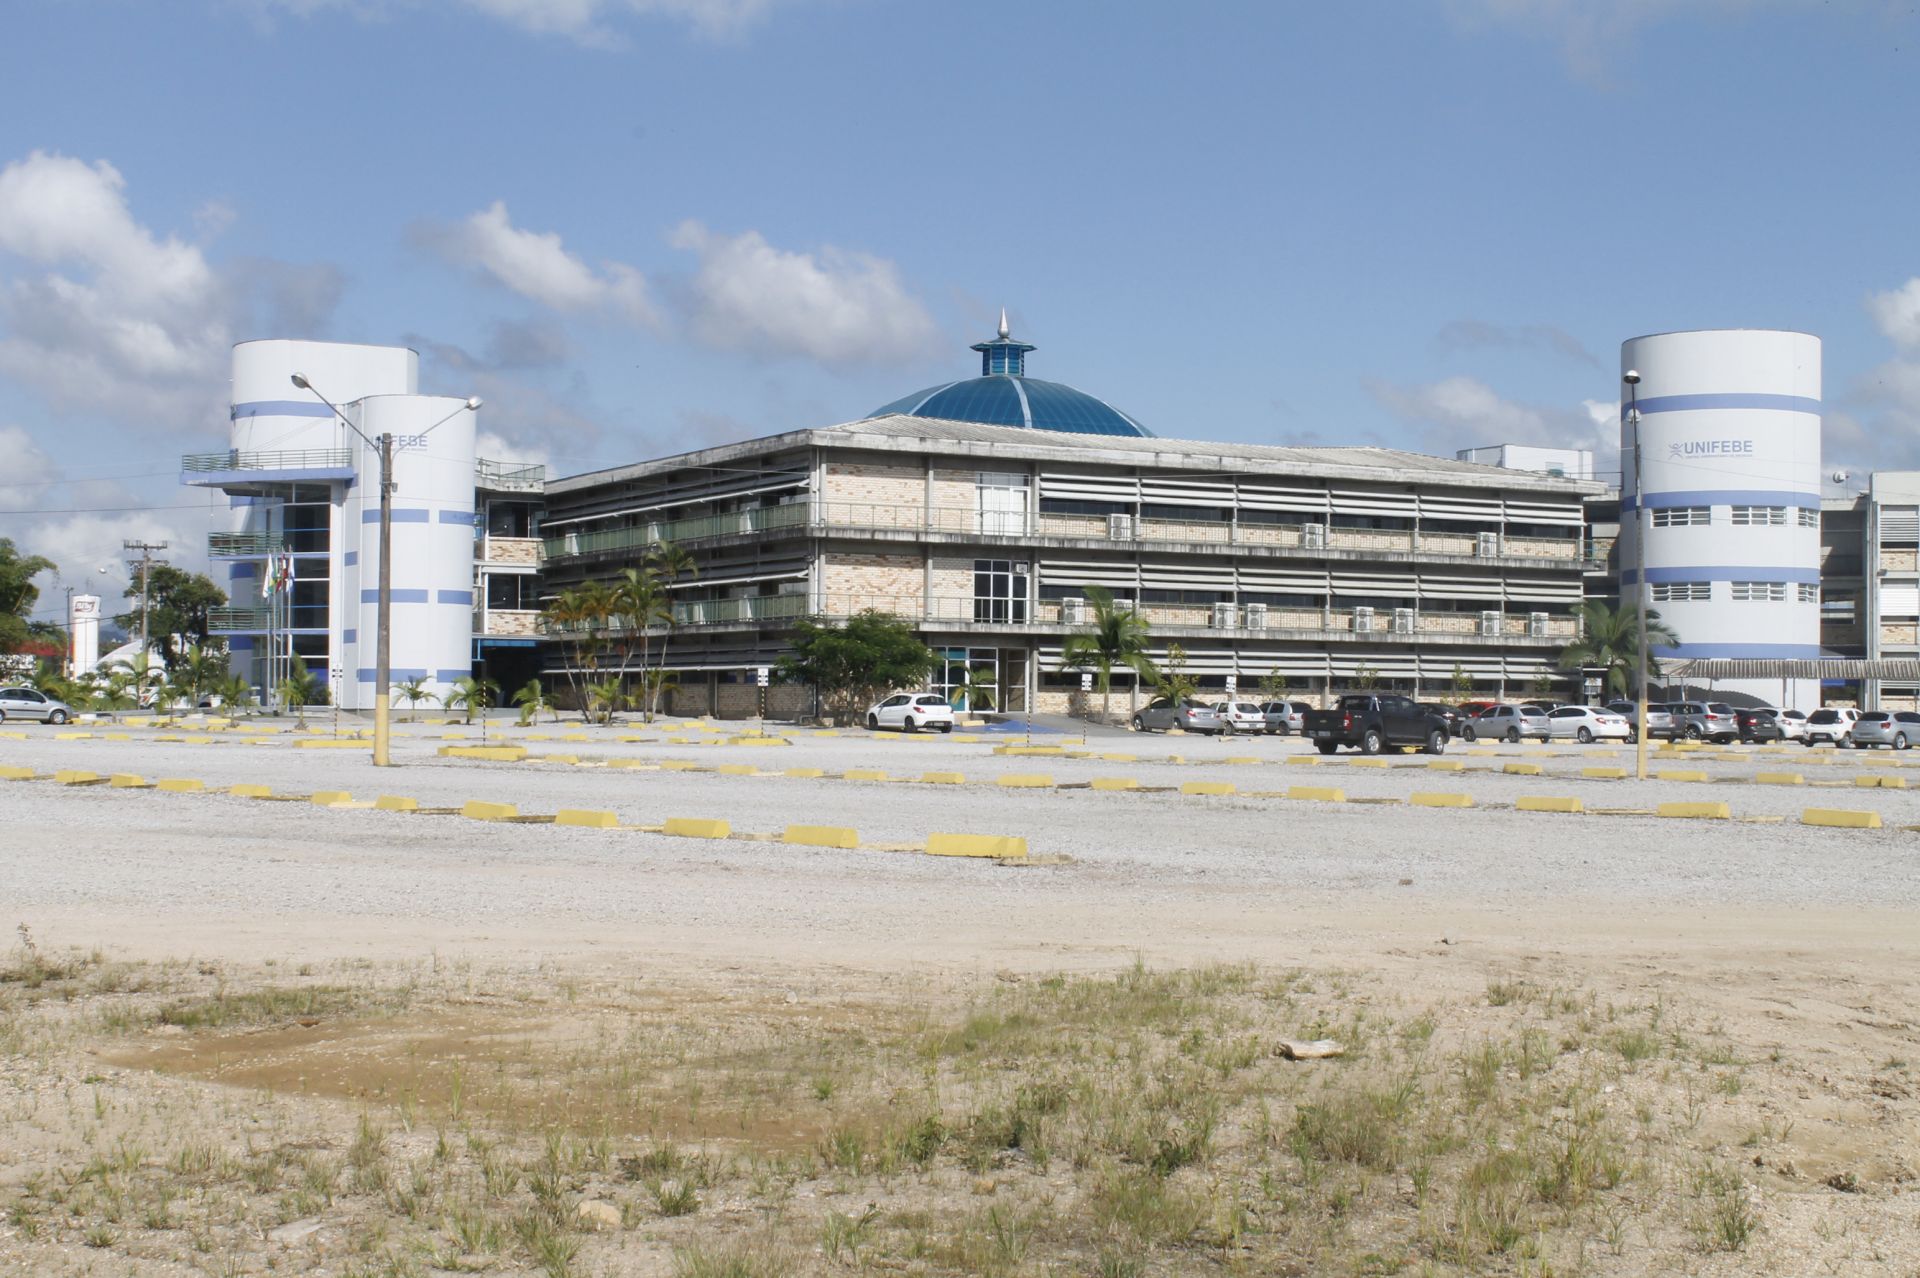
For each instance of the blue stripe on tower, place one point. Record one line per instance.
(401, 515)
(1724, 572)
(1730, 399)
(399, 596)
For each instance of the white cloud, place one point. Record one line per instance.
(1464, 412)
(537, 266)
(1897, 313)
(100, 313)
(27, 471)
(590, 22)
(836, 306)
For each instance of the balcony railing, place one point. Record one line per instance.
(244, 545)
(509, 477)
(1053, 614)
(233, 459)
(229, 620)
(967, 521)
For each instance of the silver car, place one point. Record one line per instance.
(1659, 719)
(1706, 720)
(1284, 718)
(1878, 727)
(1507, 723)
(1162, 715)
(26, 703)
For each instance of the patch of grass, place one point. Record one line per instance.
(266, 1006)
(1725, 1220)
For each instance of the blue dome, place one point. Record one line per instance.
(1003, 395)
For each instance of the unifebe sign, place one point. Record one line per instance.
(1710, 448)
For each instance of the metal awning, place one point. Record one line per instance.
(1902, 670)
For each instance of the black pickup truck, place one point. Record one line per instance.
(1375, 723)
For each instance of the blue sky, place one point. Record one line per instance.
(638, 225)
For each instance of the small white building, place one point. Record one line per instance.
(1563, 463)
(305, 492)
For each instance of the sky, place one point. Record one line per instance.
(635, 227)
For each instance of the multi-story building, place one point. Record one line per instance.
(305, 493)
(985, 509)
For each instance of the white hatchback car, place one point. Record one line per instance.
(912, 711)
(1587, 723)
(1241, 716)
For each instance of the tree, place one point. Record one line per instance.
(640, 603)
(1115, 640)
(983, 685)
(851, 664)
(179, 609)
(300, 689)
(1274, 686)
(670, 563)
(1462, 681)
(1609, 643)
(235, 692)
(192, 675)
(1171, 680)
(607, 698)
(1366, 678)
(18, 595)
(472, 693)
(532, 699)
(413, 692)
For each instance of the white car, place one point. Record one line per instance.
(1587, 723)
(1793, 725)
(912, 711)
(1241, 716)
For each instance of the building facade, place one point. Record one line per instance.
(302, 553)
(1727, 489)
(1325, 567)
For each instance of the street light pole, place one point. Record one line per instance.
(1632, 378)
(383, 643)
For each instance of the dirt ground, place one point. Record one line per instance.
(245, 1036)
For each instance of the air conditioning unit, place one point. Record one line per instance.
(1363, 620)
(1223, 616)
(1120, 527)
(1256, 616)
(1489, 623)
(1536, 625)
(1123, 605)
(1314, 537)
(1073, 611)
(1487, 545)
(1403, 621)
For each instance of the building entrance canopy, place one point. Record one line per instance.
(1905, 670)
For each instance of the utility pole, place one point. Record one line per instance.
(1632, 378)
(145, 564)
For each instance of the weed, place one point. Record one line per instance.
(675, 1198)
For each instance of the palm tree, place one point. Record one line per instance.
(235, 691)
(299, 690)
(670, 563)
(640, 603)
(983, 685)
(1608, 642)
(413, 692)
(532, 699)
(194, 674)
(474, 692)
(607, 696)
(1117, 640)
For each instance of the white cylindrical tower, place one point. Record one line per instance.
(432, 544)
(83, 633)
(1727, 485)
(271, 415)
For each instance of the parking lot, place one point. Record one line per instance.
(1249, 814)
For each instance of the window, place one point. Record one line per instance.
(509, 519)
(1760, 516)
(1759, 591)
(1809, 593)
(1682, 516)
(999, 590)
(1682, 591)
(509, 591)
(1809, 517)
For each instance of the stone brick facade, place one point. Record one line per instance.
(893, 582)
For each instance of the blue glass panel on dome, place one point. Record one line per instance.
(1058, 407)
(907, 403)
(991, 400)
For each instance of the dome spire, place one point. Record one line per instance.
(1003, 355)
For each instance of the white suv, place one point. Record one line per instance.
(912, 711)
